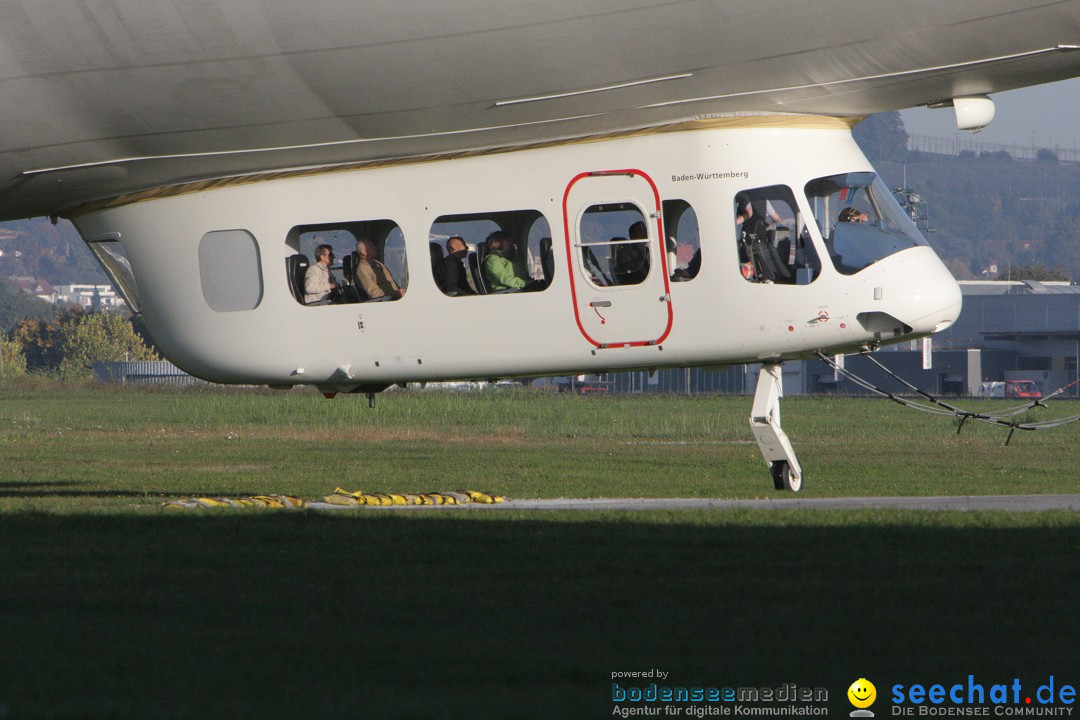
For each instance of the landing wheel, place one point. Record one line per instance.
(783, 478)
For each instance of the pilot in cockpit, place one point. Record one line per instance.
(852, 214)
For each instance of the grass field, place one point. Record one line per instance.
(89, 449)
(112, 606)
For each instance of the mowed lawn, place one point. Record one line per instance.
(113, 606)
(85, 448)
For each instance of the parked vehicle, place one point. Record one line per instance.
(1010, 388)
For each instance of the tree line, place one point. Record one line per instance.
(70, 342)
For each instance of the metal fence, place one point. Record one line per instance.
(143, 372)
(682, 381)
(961, 142)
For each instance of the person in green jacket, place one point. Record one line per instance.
(500, 270)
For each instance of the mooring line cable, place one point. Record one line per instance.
(867, 385)
(939, 407)
(998, 417)
(1007, 412)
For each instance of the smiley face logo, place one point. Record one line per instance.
(862, 693)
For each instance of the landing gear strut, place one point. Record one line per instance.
(775, 447)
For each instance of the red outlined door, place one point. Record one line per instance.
(615, 255)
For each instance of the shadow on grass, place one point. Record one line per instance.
(67, 489)
(48, 491)
(16, 487)
(267, 614)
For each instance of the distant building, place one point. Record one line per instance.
(1033, 327)
(1008, 330)
(38, 288)
(90, 297)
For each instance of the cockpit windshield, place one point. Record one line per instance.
(860, 220)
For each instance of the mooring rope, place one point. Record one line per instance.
(344, 497)
(461, 497)
(938, 406)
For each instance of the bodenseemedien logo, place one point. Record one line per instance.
(862, 695)
(670, 698)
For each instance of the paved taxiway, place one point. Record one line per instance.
(1010, 503)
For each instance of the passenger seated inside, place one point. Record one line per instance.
(501, 271)
(683, 241)
(455, 275)
(318, 283)
(631, 262)
(691, 270)
(638, 231)
(438, 267)
(764, 209)
(372, 276)
(757, 255)
(693, 265)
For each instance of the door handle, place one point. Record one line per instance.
(600, 303)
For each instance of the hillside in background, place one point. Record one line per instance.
(55, 253)
(984, 212)
(16, 305)
(986, 209)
